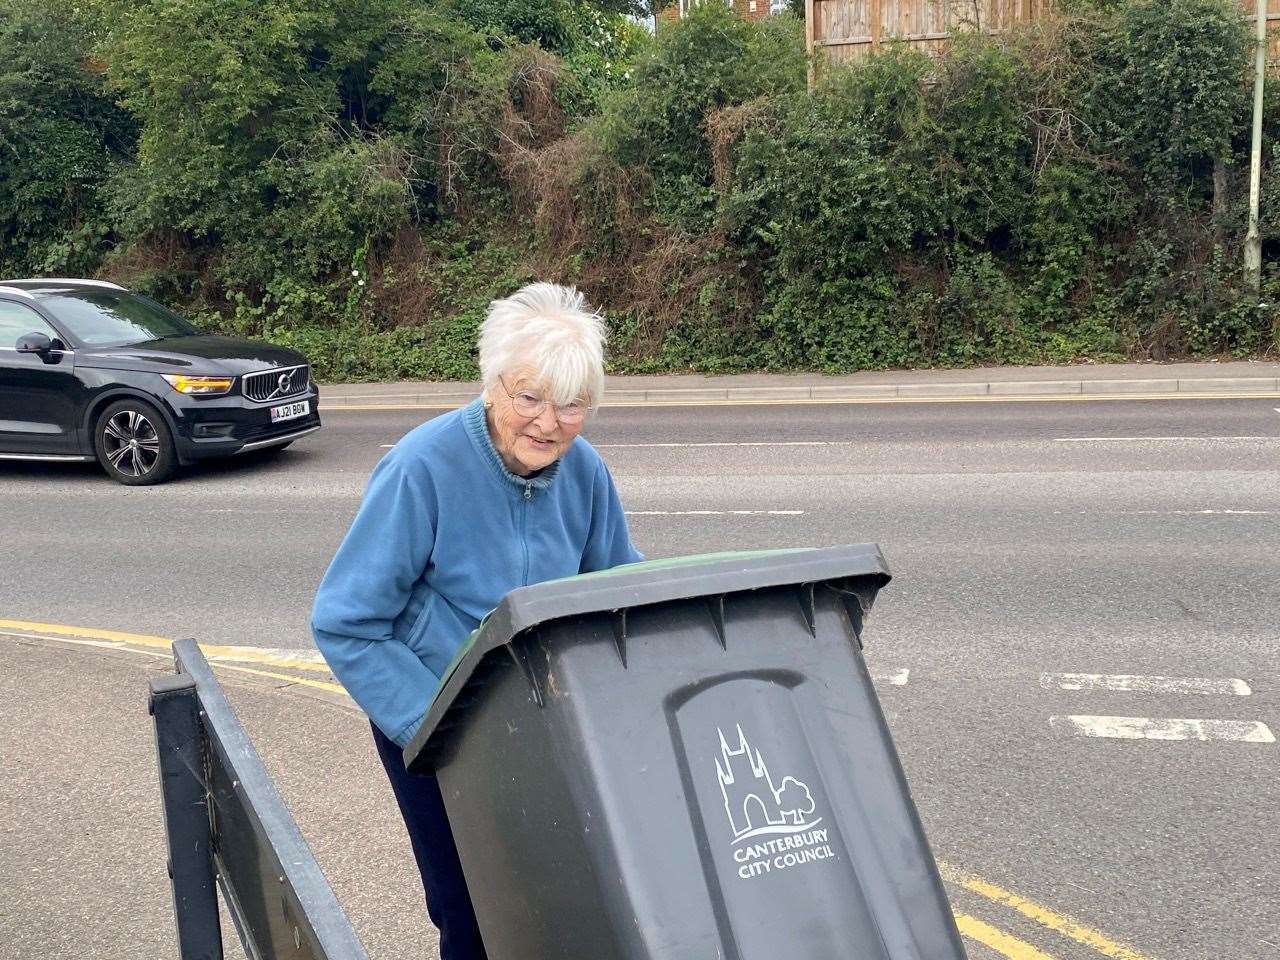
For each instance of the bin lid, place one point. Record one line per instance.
(639, 585)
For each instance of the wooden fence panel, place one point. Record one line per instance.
(1273, 25)
(845, 30)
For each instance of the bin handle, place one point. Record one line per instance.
(807, 607)
(620, 634)
(857, 612)
(716, 604)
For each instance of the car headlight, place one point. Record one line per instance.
(203, 386)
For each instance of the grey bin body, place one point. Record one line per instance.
(685, 761)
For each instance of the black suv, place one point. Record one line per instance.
(90, 370)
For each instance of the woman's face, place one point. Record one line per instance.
(527, 444)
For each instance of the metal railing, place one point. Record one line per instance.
(228, 829)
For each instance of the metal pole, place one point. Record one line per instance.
(1253, 240)
(809, 26)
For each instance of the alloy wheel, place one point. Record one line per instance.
(131, 443)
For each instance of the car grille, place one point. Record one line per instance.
(268, 385)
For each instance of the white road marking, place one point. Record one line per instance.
(1200, 513)
(1128, 682)
(744, 443)
(714, 513)
(727, 443)
(1149, 439)
(1163, 728)
(711, 443)
(898, 678)
(850, 443)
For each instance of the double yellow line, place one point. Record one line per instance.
(1014, 948)
(253, 660)
(223, 657)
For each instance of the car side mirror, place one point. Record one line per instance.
(34, 343)
(48, 350)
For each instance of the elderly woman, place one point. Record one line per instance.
(465, 508)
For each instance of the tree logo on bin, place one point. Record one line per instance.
(755, 805)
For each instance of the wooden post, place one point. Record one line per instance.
(876, 15)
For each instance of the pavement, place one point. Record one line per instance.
(1134, 539)
(1212, 378)
(82, 857)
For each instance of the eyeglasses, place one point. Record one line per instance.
(531, 405)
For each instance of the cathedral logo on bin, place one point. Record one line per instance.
(779, 817)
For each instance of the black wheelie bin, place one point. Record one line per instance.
(685, 760)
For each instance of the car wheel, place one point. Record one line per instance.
(133, 444)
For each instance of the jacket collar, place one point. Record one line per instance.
(473, 418)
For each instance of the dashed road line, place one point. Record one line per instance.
(1163, 728)
(726, 443)
(1042, 915)
(853, 443)
(1198, 513)
(1122, 682)
(1152, 439)
(1167, 513)
(715, 513)
(714, 443)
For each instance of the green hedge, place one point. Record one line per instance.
(360, 181)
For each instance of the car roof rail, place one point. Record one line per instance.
(16, 282)
(90, 283)
(20, 292)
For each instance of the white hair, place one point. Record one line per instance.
(549, 331)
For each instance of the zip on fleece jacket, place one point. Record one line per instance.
(443, 533)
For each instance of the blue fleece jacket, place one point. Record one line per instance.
(445, 531)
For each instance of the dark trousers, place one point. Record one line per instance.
(448, 903)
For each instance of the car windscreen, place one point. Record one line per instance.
(113, 318)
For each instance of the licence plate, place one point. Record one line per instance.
(290, 410)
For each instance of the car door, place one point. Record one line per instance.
(37, 392)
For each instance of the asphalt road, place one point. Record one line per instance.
(1028, 540)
